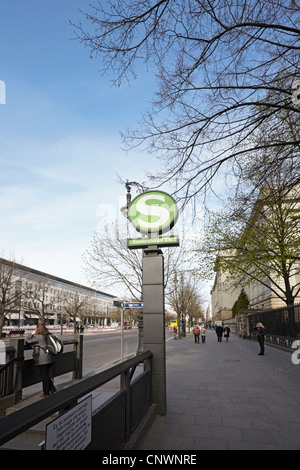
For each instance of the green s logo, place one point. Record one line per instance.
(153, 212)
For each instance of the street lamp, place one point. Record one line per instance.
(124, 210)
(128, 184)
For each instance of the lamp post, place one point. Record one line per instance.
(124, 211)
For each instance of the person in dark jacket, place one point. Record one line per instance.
(219, 331)
(226, 333)
(260, 334)
(43, 360)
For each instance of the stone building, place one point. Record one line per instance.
(264, 220)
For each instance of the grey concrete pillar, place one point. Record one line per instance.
(154, 323)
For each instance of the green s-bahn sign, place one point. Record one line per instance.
(153, 213)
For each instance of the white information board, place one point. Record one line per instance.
(72, 430)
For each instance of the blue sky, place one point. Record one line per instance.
(60, 148)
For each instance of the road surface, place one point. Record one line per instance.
(105, 348)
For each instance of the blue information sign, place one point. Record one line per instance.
(133, 304)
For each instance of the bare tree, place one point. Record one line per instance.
(131, 315)
(76, 306)
(259, 244)
(11, 289)
(185, 299)
(40, 302)
(111, 263)
(224, 69)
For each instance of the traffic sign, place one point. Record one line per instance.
(133, 304)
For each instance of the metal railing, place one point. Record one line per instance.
(112, 423)
(283, 322)
(282, 325)
(18, 373)
(6, 381)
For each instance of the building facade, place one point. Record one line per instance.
(272, 234)
(224, 295)
(29, 296)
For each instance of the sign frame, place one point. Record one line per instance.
(164, 213)
(163, 242)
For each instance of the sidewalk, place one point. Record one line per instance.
(224, 396)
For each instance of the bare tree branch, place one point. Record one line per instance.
(224, 70)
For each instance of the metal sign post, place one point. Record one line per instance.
(123, 305)
(154, 213)
(154, 323)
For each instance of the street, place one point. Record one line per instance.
(104, 348)
(101, 349)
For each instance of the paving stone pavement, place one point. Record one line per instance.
(223, 396)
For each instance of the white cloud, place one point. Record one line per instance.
(53, 197)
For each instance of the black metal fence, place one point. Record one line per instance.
(282, 325)
(113, 423)
(18, 373)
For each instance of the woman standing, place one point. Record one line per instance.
(41, 358)
(203, 333)
(260, 333)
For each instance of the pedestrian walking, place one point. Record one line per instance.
(260, 334)
(226, 333)
(175, 332)
(196, 331)
(203, 334)
(41, 358)
(219, 331)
